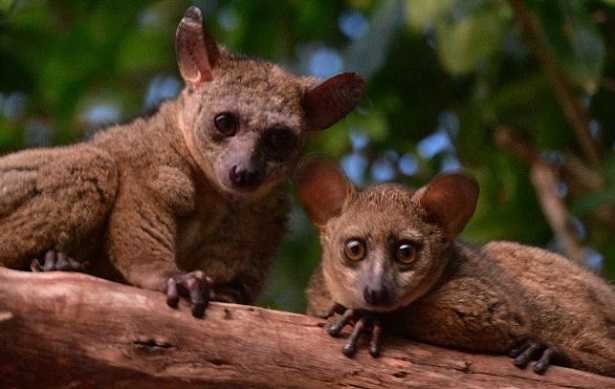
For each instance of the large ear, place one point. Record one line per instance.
(449, 200)
(196, 52)
(322, 189)
(331, 100)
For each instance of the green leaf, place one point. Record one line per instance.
(142, 52)
(588, 203)
(6, 5)
(575, 40)
(423, 13)
(588, 57)
(603, 197)
(463, 45)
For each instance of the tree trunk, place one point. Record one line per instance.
(73, 330)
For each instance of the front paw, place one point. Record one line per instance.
(57, 261)
(363, 322)
(194, 286)
(529, 350)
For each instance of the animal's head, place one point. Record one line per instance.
(384, 247)
(245, 121)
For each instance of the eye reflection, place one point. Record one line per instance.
(226, 123)
(355, 250)
(405, 252)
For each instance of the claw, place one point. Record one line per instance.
(194, 286)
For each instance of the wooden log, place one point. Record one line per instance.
(73, 330)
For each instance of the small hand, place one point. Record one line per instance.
(195, 286)
(57, 261)
(528, 351)
(363, 322)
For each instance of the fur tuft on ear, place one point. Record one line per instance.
(322, 189)
(196, 52)
(449, 200)
(333, 99)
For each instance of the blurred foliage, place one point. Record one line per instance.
(442, 76)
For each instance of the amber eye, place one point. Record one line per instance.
(226, 123)
(280, 142)
(405, 253)
(355, 250)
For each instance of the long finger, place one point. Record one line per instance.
(524, 358)
(36, 266)
(376, 340)
(49, 261)
(172, 293)
(518, 349)
(335, 328)
(544, 362)
(351, 347)
(199, 297)
(335, 308)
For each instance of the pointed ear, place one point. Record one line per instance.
(322, 189)
(196, 52)
(449, 200)
(331, 100)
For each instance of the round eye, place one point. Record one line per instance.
(406, 252)
(280, 142)
(226, 123)
(355, 250)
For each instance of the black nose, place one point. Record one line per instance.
(245, 178)
(377, 296)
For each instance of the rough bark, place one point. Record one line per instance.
(72, 330)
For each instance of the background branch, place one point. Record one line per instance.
(546, 183)
(61, 330)
(575, 113)
(545, 179)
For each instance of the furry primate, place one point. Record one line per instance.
(390, 260)
(190, 201)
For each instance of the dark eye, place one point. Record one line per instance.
(405, 252)
(280, 142)
(226, 123)
(355, 250)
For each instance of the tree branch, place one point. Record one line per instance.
(545, 182)
(544, 178)
(575, 114)
(61, 330)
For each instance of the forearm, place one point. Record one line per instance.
(141, 241)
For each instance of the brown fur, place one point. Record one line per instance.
(484, 299)
(149, 199)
